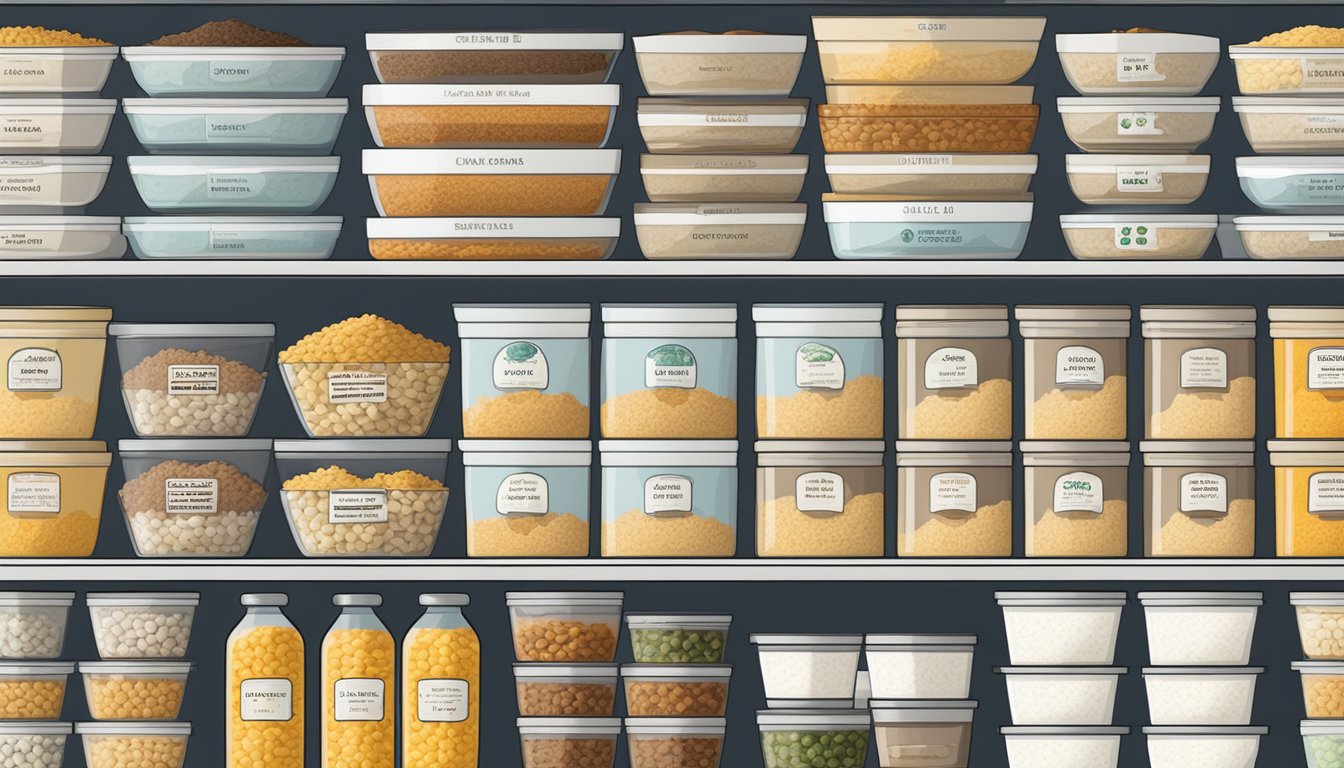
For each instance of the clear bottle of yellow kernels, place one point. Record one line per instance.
(441, 664)
(264, 728)
(359, 661)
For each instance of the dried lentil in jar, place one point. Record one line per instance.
(564, 626)
(955, 366)
(359, 662)
(54, 372)
(1200, 363)
(475, 57)
(1077, 498)
(820, 498)
(669, 498)
(569, 742)
(265, 659)
(527, 498)
(1308, 497)
(441, 686)
(565, 690)
(1199, 498)
(669, 690)
(954, 499)
(675, 742)
(1308, 371)
(1075, 385)
(988, 128)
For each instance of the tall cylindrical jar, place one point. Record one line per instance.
(1075, 376)
(954, 498)
(1308, 371)
(1076, 498)
(359, 664)
(441, 687)
(955, 367)
(265, 660)
(1200, 363)
(1199, 498)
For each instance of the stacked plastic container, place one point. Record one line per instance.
(921, 705)
(1320, 619)
(814, 700)
(925, 138)
(32, 637)
(492, 145)
(719, 127)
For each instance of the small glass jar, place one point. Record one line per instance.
(820, 498)
(358, 686)
(1075, 383)
(669, 498)
(1200, 363)
(955, 373)
(265, 659)
(1308, 497)
(819, 371)
(1308, 371)
(441, 687)
(527, 498)
(1199, 498)
(954, 499)
(1077, 498)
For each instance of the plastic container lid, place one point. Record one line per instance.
(36, 668)
(153, 599)
(1200, 599)
(1193, 453)
(191, 330)
(570, 162)
(233, 53)
(1164, 220)
(853, 211)
(1316, 598)
(56, 163)
(1060, 599)
(1203, 671)
(198, 106)
(565, 726)
(15, 105)
(145, 668)
(1289, 105)
(565, 670)
(688, 453)
(1278, 168)
(522, 313)
(357, 600)
(1064, 313)
(448, 599)
(1288, 223)
(1205, 730)
(564, 598)
(276, 599)
(1275, 52)
(1107, 104)
(1114, 163)
(817, 313)
(1318, 667)
(718, 43)
(378, 445)
(54, 313)
(1322, 727)
(528, 228)
(676, 670)
(38, 599)
(501, 40)
(718, 214)
(722, 113)
(1147, 42)
(63, 223)
(205, 445)
(775, 719)
(1196, 321)
(895, 711)
(195, 165)
(669, 313)
(994, 28)
(1306, 322)
(929, 164)
(491, 95)
(905, 640)
(966, 453)
(511, 453)
(820, 640)
(134, 729)
(703, 621)
(1064, 730)
(831, 450)
(260, 223)
(1033, 670)
(42, 728)
(92, 51)
(676, 725)
(1305, 453)
(717, 165)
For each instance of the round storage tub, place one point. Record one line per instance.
(1199, 498)
(1052, 746)
(32, 624)
(1077, 498)
(1137, 62)
(1200, 628)
(262, 72)
(1138, 237)
(1075, 381)
(920, 666)
(1308, 371)
(678, 638)
(135, 690)
(42, 743)
(504, 56)
(142, 625)
(1061, 628)
(1138, 123)
(50, 126)
(1137, 179)
(692, 740)
(820, 498)
(243, 184)
(565, 690)
(721, 126)
(33, 690)
(51, 182)
(1320, 617)
(527, 498)
(926, 49)
(875, 228)
(1276, 125)
(942, 175)
(1322, 686)
(151, 745)
(1176, 746)
(956, 379)
(236, 126)
(669, 498)
(954, 499)
(913, 733)
(233, 238)
(565, 627)
(54, 370)
(1200, 695)
(56, 69)
(672, 690)
(701, 64)
(820, 669)
(61, 238)
(786, 736)
(1201, 372)
(519, 117)
(723, 178)
(1061, 695)
(1294, 183)
(1308, 498)
(53, 501)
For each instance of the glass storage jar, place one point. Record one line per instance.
(527, 498)
(54, 372)
(1199, 498)
(669, 498)
(955, 372)
(1074, 378)
(820, 498)
(1077, 498)
(358, 686)
(1308, 371)
(265, 659)
(954, 498)
(441, 687)
(1200, 363)
(1308, 497)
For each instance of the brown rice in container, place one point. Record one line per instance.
(975, 176)
(723, 178)
(1138, 123)
(695, 126)
(494, 239)
(1137, 179)
(486, 116)
(488, 57)
(1136, 236)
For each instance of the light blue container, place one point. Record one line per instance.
(236, 126)
(1292, 183)
(927, 230)
(669, 498)
(234, 184)
(262, 72)
(292, 238)
(511, 481)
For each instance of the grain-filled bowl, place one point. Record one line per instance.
(1137, 61)
(721, 125)
(244, 184)
(566, 627)
(1138, 236)
(1137, 179)
(723, 178)
(135, 690)
(1138, 123)
(262, 72)
(915, 49)
(142, 625)
(883, 228)
(74, 69)
(57, 238)
(1308, 125)
(51, 182)
(116, 745)
(52, 126)
(296, 238)
(565, 690)
(236, 126)
(931, 175)
(1291, 237)
(982, 128)
(32, 624)
(1293, 183)
(486, 116)
(524, 238)
(42, 742)
(730, 64)
(1295, 61)
(732, 231)
(502, 56)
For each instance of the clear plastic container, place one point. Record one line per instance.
(1320, 617)
(32, 624)
(975, 128)
(1137, 179)
(263, 72)
(675, 742)
(1061, 695)
(1053, 746)
(936, 229)
(723, 178)
(954, 499)
(148, 745)
(503, 56)
(956, 372)
(1322, 742)
(719, 231)
(1138, 123)
(1309, 125)
(135, 690)
(236, 126)
(1291, 237)
(1200, 695)
(1293, 184)
(938, 49)
(1138, 62)
(820, 498)
(923, 734)
(1077, 498)
(695, 126)
(1075, 380)
(565, 690)
(1061, 628)
(494, 239)
(786, 733)
(983, 176)
(1322, 683)
(265, 668)
(53, 496)
(42, 126)
(43, 744)
(527, 498)
(1201, 372)
(1287, 70)
(569, 742)
(250, 184)
(1199, 498)
(233, 238)
(142, 625)
(536, 116)
(54, 371)
(1138, 237)
(60, 238)
(591, 621)
(1308, 507)
(669, 498)
(49, 183)
(920, 666)
(1182, 746)
(706, 64)
(441, 686)
(359, 684)
(821, 669)
(1200, 628)
(678, 638)
(931, 94)
(76, 69)
(33, 690)
(673, 690)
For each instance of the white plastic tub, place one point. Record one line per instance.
(37, 126)
(1132, 236)
(700, 64)
(713, 126)
(247, 184)
(47, 182)
(822, 669)
(887, 229)
(1291, 237)
(1142, 62)
(1310, 125)
(56, 69)
(926, 49)
(1063, 746)
(235, 238)
(1200, 628)
(55, 238)
(920, 666)
(981, 176)
(236, 126)
(482, 116)
(723, 178)
(1137, 179)
(1200, 695)
(32, 624)
(1275, 69)
(732, 231)
(1215, 746)
(1061, 695)
(264, 72)
(1138, 123)
(1293, 183)
(142, 625)
(499, 56)
(1061, 628)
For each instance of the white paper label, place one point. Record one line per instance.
(359, 699)
(266, 699)
(33, 369)
(670, 365)
(1135, 237)
(1204, 368)
(191, 496)
(523, 493)
(1137, 68)
(1325, 494)
(232, 239)
(1317, 73)
(667, 494)
(1078, 492)
(1323, 125)
(233, 186)
(237, 71)
(952, 492)
(819, 492)
(31, 130)
(28, 189)
(358, 506)
(32, 72)
(521, 365)
(34, 493)
(1138, 180)
(1137, 124)
(1325, 368)
(226, 129)
(193, 379)
(1327, 236)
(356, 387)
(951, 368)
(817, 366)
(24, 240)
(1079, 367)
(443, 700)
(1203, 493)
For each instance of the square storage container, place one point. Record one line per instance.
(42, 743)
(1283, 69)
(553, 742)
(934, 49)
(923, 734)
(695, 126)
(729, 64)
(723, 178)
(36, 126)
(262, 72)
(1075, 380)
(1061, 628)
(1051, 746)
(719, 231)
(1199, 498)
(1200, 628)
(1308, 498)
(669, 498)
(1290, 237)
(681, 742)
(591, 620)
(1308, 371)
(1319, 616)
(785, 734)
(863, 227)
(135, 690)
(956, 372)
(1138, 236)
(954, 499)
(672, 690)
(493, 239)
(54, 371)
(1077, 498)
(975, 128)
(481, 116)
(678, 638)
(164, 745)
(32, 624)
(821, 669)
(50, 182)
(34, 690)
(527, 498)
(920, 666)
(492, 57)
(1061, 695)
(53, 496)
(1138, 61)
(1200, 363)
(1276, 125)
(60, 238)
(981, 176)
(169, 184)
(930, 94)
(1137, 179)
(233, 238)
(76, 69)
(1200, 695)
(142, 625)
(236, 126)
(1223, 745)
(1322, 684)
(1295, 184)
(565, 690)
(820, 498)
(1138, 124)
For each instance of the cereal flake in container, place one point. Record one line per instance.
(1181, 746)
(1200, 628)
(54, 374)
(483, 116)
(134, 745)
(1291, 237)
(236, 126)
(1201, 372)
(719, 231)
(678, 638)
(565, 690)
(674, 690)
(930, 94)
(33, 690)
(36, 744)
(42, 126)
(32, 624)
(291, 72)
(875, 227)
(1200, 695)
(718, 125)
(1061, 628)
(569, 742)
(969, 128)
(565, 627)
(527, 498)
(1308, 499)
(532, 238)
(1138, 61)
(53, 496)
(135, 690)
(73, 65)
(242, 184)
(142, 625)
(1303, 184)
(796, 738)
(1199, 498)
(723, 178)
(1075, 378)
(1040, 695)
(937, 175)
(920, 666)
(1077, 498)
(820, 498)
(1138, 236)
(1322, 688)
(1138, 123)
(233, 238)
(738, 63)
(954, 499)
(669, 498)
(1137, 179)
(488, 57)
(926, 50)
(1307, 125)
(1063, 746)
(821, 669)
(915, 733)
(955, 366)
(49, 183)
(675, 742)
(60, 238)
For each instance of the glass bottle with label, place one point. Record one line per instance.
(265, 659)
(440, 715)
(359, 661)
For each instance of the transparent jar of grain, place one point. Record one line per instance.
(1308, 371)
(1075, 380)
(955, 372)
(441, 687)
(669, 371)
(527, 498)
(1199, 498)
(820, 498)
(359, 661)
(954, 498)
(1308, 497)
(265, 659)
(1077, 498)
(669, 498)
(1200, 363)
(524, 370)
(54, 370)
(819, 371)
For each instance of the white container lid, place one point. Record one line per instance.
(251, 223)
(960, 453)
(669, 313)
(676, 725)
(1316, 598)
(42, 728)
(894, 712)
(1205, 730)
(1034, 670)
(1305, 453)
(570, 162)
(719, 43)
(1185, 671)
(196, 106)
(196, 165)
(522, 228)
(25, 51)
(1288, 223)
(1318, 667)
(788, 719)
(510, 453)
(376, 445)
(1201, 599)
(38, 164)
(717, 114)
(16, 105)
(151, 599)
(816, 313)
(929, 164)
(565, 670)
(1065, 313)
(1164, 220)
(191, 330)
(143, 668)
(1185, 321)
(569, 726)
(445, 599)
(703, 621)
(1108, 104)
(937, 28)
(62, 223)
(1306, 322)
(36, 668)
(1068, 453)
(522, 313)
(837, 454)
(564, 598)
(604, 95)
(1117, 163)
(899, 641)
(1197, 453)
(1289, 105)
(207, 445)
(1060, 599)
(357, 600)
(681, 453)
(820, 640)
(1064, 730)
(1275, 52)
(38, 599)
(233, 53)
(719, 165)
(723, 671)
(934, 211)
(1282, 167)
(501, 40)
(1146, 42)
(719, 214)
(134, 729)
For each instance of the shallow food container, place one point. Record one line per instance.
(483, 116)
(1138, 62)
(1174, 236)
(678, 638)
(920, 666)
(42, 743)
(503, 56)
(1200, 695)
(676, 690)
(56, 69)
(1322, 688)
(236, 126)
(562, 741)
(364, 498)
(33, 690)
(135, 690)
(732, 231)
(1322, 741)
(1320, 623)
(1061, 695)
(915, 733)
(142, 625)
(980, 176)
(30, 126)
(1275, 69)
(1291, 237)
(54, 499)
(592, 621)
(1292, 183)
(723, 178)
(821, 669)
(732, 64)
(1225, 746)
(982, 128)
(937, 49)
(656, 742)
(1199, 628)
(48, 182)
(694, 126)
(787, 735)
(491, 182)
(527, 498)
(58, 238)
(1056, 746)
(668, 498)
(32, 624)
(107, 744)
(1061, 628)
(930, 94)
(245, 184)
(274, 72)
(1137, 179)
(891, 229)
(493, 239)
(1292, 124)
(1138, 123)
(565, 690)
(233, 238)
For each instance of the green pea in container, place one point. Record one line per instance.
(678, 638)
(810, 738)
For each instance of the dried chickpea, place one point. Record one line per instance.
(673, 698)
(272, 653)
(31, 699)
(415, 507)
(127, 697)
(566, 699)
(134, 751)
(562, 640)
(432, 653)
(364, 655)
(562, 752)
(1324, 696)
(679, 752)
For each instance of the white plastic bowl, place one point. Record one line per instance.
(1150, 62)
(50, 126)
(1200, 628)
(820, 668)
(51, 181)
(1061, 695)
(920, 666)
(1200, 695)
(1213, 746)
(1061, 628)
(1063, 746)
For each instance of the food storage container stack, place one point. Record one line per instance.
(492, 145)
(815, 700)
(1320, 626)
(33, 682)
(926, 142)
(920, 706)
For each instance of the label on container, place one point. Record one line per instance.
(443, 700)
(224, 129)
(38, 130)
(358, 699)
(357, 506)
(225, 185)
(521, 365)
(819, 492)
(34, 493)
(1137, 68)
(34, 369)
(193, 379)
(670, 365)
(191, 496)
(1325, 368)
(1137, 124)
(1203, 494)
(951, 368)
(1327, 236)
(817, 366)
(668, 495)
(1323, 125)
(32, 72)
(952, 492)
(237, 71)
(1078, 492)
(25, 188)
(1135, 237)
(523, 493)
(1318, 73)
(356, 387)
(1138, 180)
(1204, 368)
(1079, 367)
(235, 240)
(266, 699)
(1325, 494)
(24, 240)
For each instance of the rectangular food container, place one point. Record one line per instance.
(920, 666)
(1137, 179)
(565, 690)
(527, 498)
(245, 184)
(1138, 237)
(1308, 508)
(477, 57)
(1200, 695)
(1077, 498)
(491, 182)
(821, 669)
(715, 125)
(1284, 70)
(784, 732)
(54, 496)
(938, 49)
(719, 231)
(45, 741)
(723, 178)
(678, 638)
(107, 744)
(55, 371)
(1138, 123)
(1061, 695)
(32, 624)
(863, 227)
(34, 690)
(1075, 380)
(676, 690)
(1138, 61)
(930, 94)
(923, 734)
(236, 126)
(669, 498)
(1053, 746)
(820, 498)
(1322, 684)
(585, 625)
(483, 116)
(980, 176)
(1276, 125)
(38, 126)
(693, 741)
(46, 182)
(1308, 388)
(972, 128)
(493, 239)
(142, 625)
(555, 741)
(261, 72)
(1321, 741)
(729, 64)
(1199, 498)
(954, 499)
(233, 238)
(135, 690)
(955, 369)
(78, 69)
(1201, 372)
(60, 238)
(361, 498)
(1179, 746)
(1294, 183)
(1061, 628)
